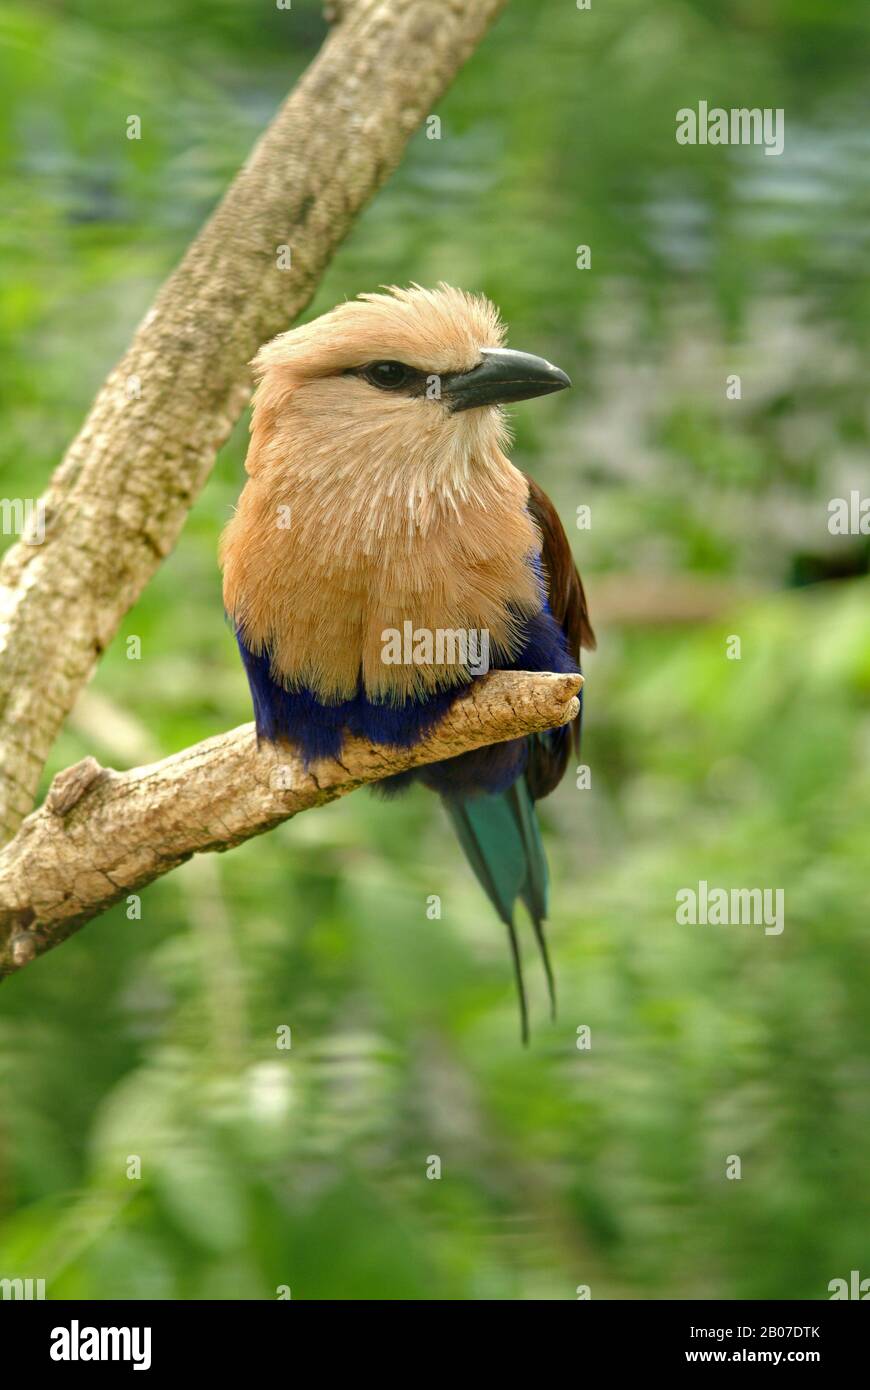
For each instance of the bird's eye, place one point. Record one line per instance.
(389, 376)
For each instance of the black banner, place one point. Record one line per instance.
(155, 1338)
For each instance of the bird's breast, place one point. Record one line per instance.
(406, 589)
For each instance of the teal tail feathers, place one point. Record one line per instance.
(502, 842)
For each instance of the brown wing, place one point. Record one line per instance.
(564, 586)
(549, 756)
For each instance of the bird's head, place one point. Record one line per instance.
(410, 373)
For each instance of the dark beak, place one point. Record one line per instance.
(502, 376)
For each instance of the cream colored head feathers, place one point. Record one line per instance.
(365, 508)
(439, 330)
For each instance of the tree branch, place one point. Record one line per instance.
(102, 835)
(117, 503)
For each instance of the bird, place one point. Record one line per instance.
(380, 501)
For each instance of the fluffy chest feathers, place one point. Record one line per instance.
(344, 534)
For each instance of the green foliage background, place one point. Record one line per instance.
(157, 1037)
